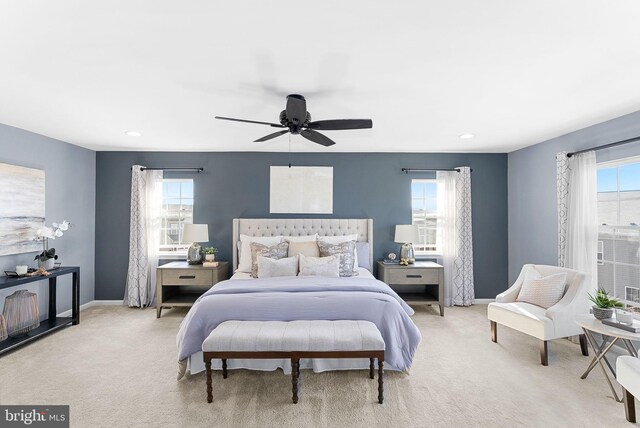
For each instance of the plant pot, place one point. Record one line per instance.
(602, 313)
(47, 264)
(210, 257)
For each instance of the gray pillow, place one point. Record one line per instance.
(362, 249)
(345, 250)
(278, 251)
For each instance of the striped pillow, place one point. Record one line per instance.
(542, 291)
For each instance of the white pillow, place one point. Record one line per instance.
(339, 240)
(320, 266)
(307, 238)
(244, 264)
(542, 291)
(269, 268)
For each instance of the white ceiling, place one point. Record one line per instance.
(514, 73)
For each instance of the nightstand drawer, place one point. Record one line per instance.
(187, 277)
(413, 276)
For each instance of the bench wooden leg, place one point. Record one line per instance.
(295, 374)
(380, 382)
(494, 332)
(209, 387)
(371, 367)
(224, 368)
(629, 405)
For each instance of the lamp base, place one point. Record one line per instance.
(194, 254)
(407, 252)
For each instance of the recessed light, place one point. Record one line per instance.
(133, 133)
(466, 136)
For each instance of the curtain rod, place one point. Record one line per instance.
(408, 170)
(605, 146)
(198, 170)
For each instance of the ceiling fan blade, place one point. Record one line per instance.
(275, 125)
(270, 136)
(317, 137)
(296, 109)
(338, 124)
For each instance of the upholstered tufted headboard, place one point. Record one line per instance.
(363, 227)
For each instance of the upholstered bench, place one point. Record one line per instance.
(294, 340)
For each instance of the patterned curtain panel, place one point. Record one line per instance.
(454, 203)
(144, 236)
(562, 190)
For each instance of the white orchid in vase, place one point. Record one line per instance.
(48, 255)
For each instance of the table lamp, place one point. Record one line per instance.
(407, 234)
(195, 233)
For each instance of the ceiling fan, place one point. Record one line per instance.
(297, 120)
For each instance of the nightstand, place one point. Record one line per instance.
(180, 284)
(426, 277)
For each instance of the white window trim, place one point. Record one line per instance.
(425, 253)
(176, 254)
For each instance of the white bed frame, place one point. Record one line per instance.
(363, 227)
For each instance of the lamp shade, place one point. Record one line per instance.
(406, 233)
(195, 233)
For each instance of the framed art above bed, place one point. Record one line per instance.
(362, 227)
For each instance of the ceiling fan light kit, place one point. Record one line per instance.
(295, 119)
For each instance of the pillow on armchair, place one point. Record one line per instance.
(542, 291)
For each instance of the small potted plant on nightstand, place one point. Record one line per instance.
(210, 253)
(603, 305)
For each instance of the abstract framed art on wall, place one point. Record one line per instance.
(22, 206)
(301, 190)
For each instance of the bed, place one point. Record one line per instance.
(361, 297)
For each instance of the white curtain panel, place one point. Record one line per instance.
(578, 214)
(456, 235)
(144, 236)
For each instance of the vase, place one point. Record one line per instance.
(210, 257)
(602, 313)
(47, 264)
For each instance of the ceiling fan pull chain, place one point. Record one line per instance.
(289, 150)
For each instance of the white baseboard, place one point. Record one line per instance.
(484, 301)
(90, 304)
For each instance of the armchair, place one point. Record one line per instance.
(544, 324)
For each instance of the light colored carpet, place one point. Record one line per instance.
(118, 367)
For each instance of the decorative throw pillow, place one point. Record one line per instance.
(339, 239)
(320, 266)
(269, 268)
(278, 251)
(346, 251)
(362, 255)
(244, 251)
(542, 291)
(308, 248)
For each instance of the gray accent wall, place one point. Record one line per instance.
(533, 223)
(70, 194)
(366, 185)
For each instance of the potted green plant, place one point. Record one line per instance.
(603, 305)
(210, 253)
(47, 258)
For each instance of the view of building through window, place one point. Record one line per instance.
(424, 209)
(177, 209)
(619, 230)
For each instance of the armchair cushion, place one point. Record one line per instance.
(524, 317)
(542, 291)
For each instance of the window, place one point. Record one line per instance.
(424, 209)
(619, 230)
(177, 209)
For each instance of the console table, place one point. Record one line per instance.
(54, 322)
